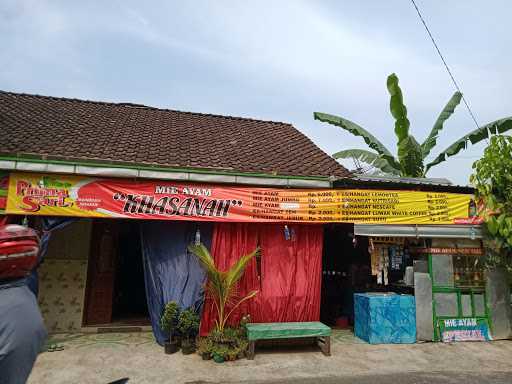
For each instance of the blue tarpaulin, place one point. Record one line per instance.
(385, 318)
(50, 224)
(171, 273)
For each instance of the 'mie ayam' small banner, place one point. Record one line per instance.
(464, 329)
(57, 195)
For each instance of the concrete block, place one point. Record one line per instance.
(423, 294)
(498, 302)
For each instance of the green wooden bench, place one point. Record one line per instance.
(271, 331)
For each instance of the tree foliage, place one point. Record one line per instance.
(169, 319)
(410, 159)
(492, 179)
(188, 323)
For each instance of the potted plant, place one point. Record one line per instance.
(232, 353)
(219, 353)
(222, 285)
(169, 323)
(204, 347)
(228, 345)
(242, 348)
(188, 325)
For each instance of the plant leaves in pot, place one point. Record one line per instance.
(169, 323)
(188, 346)
(218, 358)
(171, 347)
(188, 326)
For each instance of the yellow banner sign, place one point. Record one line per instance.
(56, 195)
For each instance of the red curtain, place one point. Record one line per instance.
(288, 275)
(292, 272)
(229, 242)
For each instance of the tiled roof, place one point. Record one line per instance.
(77, 130)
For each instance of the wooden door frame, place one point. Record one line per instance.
(90, 268)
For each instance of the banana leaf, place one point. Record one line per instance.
(369, 158)
(408, 148)
(356, 130)
(398, 109)
(411, 160)
(475, 136)
(447, 111)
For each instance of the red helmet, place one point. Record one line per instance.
(19, 247)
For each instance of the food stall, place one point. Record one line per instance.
(435, 270)
(460, 309)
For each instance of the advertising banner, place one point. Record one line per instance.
(449, 251)
(56, 195)
(464, 329)
(4, 181)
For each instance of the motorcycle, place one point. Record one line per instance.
(19, 247)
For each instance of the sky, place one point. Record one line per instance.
(271, 60)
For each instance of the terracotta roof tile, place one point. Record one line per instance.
(71, 129)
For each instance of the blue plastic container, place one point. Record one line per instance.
(385, 318)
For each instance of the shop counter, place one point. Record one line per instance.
(385, 318)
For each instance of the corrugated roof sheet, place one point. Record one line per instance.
(405, 180)
(393, 182)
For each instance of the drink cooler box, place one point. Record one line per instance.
(385, 318)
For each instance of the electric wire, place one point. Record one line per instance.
(445, 64)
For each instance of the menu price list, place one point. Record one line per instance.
(438, 208)
(358, 206)
(325, 206)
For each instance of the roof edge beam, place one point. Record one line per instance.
(449, 231)
(129, 172)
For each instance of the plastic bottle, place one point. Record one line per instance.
(286, 233)
(197, 240)
(471, 208)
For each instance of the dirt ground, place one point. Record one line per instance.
(101, 358)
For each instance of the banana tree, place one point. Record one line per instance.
(222, 285)
(411, 155)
